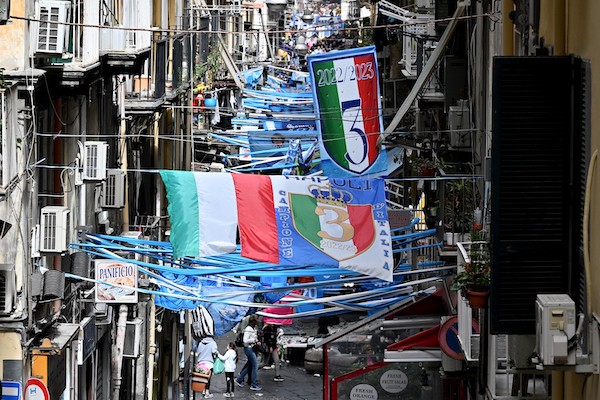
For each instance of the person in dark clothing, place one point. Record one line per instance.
(270, 339)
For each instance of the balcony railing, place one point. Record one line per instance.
(119, 37)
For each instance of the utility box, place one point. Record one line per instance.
(555, 325)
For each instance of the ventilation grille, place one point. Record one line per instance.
(49, 232)
(8, 288)
(113, 189)
(94, 161)
(3, 292)
(54, 225)
(51, 27)
(531, 187)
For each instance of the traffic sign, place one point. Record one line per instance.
(448, 338)
(36, 389)
(11, 390)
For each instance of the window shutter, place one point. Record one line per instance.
(532, 186)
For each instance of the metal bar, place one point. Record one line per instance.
(362, 322)
(428, 69)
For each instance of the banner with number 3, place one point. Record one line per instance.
(345, 87)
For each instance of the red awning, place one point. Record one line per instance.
(425, 339)
(434, 304)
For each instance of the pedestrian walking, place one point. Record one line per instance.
(270, 337)
(206, 353)
(250, 340)
(230, 360)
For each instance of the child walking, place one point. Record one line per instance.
(230, 359)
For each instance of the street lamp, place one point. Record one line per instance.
(276, 6)
(301, 48)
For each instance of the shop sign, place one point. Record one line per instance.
(86, 344)
(393, 381)
(363, 392)
(121, 281)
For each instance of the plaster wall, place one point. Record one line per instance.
(12, 39)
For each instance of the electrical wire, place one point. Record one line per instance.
(317, 28)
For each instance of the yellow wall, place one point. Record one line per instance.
(571, 27)
(12, 43)
(10, 348)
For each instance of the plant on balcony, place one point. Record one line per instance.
(209, 70)
(474, 280)
(458, 206)
(425, 167)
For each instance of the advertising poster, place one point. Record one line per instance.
(120, 281)
(345, 87)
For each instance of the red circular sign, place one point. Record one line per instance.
(36, 389)
(448, 338)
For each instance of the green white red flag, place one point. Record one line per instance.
(284, 220)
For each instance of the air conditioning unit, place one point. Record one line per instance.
(133, 333)
(8, 288)
(459, 121)
(425, 3)
(50, 33)
(35, 241)
(54, 229)
(94, 161)
(113, 189)
(555, 327)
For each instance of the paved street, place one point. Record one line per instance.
(297, 385)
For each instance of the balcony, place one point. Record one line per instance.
(122, 49)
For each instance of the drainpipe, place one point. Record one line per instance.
(151, 349)
(123, 147)
(507, 29)
(325, 372)
(482, 128)
(156, 159)
(117, 354)
(558, 385)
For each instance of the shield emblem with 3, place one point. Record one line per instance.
(340, 230)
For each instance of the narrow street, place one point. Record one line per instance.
(298, 384)
(407, 188)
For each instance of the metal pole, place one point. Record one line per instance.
(123, 147)
(151, 348)
(117, 354)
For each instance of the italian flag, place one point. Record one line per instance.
(348, 107)
(281, 220)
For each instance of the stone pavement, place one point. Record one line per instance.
(298, 385)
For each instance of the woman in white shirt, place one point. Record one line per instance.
(250, 340)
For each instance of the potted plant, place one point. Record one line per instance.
(458, 210)
(200, 376)
(425, 167)
(474, 281)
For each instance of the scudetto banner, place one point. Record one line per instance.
(345, 87)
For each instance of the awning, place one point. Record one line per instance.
(56, 339)
(279, 311)
(425, 339)
(434, 304)
(421, 347)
